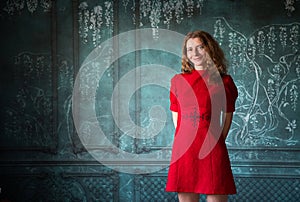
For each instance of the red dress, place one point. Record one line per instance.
(200, 161)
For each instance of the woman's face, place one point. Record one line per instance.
(196, 53)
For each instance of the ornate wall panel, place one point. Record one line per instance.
(51, 148)
(29, 72)
(151, 188)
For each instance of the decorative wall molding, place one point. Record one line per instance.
(151, 187)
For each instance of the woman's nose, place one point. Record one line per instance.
(196, 51)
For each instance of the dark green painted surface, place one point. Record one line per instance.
(43, 46)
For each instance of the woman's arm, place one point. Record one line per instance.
(175, 117)
(227, 123)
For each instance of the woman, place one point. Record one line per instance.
(202, 103)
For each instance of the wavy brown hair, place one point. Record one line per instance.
(212, 48)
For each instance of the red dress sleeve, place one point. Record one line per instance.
(173, 95)
(231, 93)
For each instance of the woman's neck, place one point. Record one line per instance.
(199, 68)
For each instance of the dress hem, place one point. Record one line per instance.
(201, 192)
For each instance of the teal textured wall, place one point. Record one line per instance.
(84, 96)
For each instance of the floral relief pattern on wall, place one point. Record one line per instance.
(266, 68)
(26, 113)
(290, 6)
(13, 7)
(93, 21)
(157, 13)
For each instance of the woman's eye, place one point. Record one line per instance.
(200, 47)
